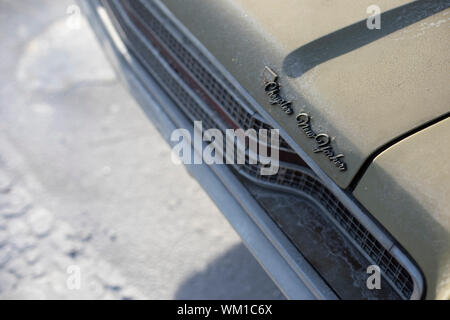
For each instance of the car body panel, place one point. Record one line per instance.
(407, 189)
(364, 88)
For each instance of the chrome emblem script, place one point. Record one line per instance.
(323, 140)
(272, 88)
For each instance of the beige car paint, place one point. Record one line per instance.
(363, 98)
(407, 189)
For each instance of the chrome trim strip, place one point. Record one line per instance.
(288, 268)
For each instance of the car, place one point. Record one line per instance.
(355, 100)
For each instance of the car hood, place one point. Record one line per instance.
(362, 88)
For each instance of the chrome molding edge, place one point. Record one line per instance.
(346, 199)
(287, 267)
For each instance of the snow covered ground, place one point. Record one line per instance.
(91, 207)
